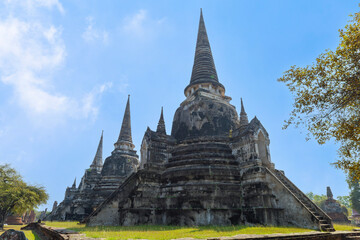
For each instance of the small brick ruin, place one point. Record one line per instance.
(214, 168)
(14, 219)
(333, 209)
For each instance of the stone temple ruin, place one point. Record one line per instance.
(333, 209)
(213, 169)
(100, 180)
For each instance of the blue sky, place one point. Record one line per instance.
(66, 68)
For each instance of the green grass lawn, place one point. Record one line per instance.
(171, 232)
(344, 227)
(31, 235)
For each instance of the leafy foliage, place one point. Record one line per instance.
(354, 194)
(317, 199)
(320, 200)
(15, 195)
(327, 97)
(345, 210)
(345, 201)
(346, 205)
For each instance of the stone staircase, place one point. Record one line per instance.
(124, 189)
(323, 219)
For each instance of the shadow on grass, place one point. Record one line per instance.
(145, 228)
(246, 229)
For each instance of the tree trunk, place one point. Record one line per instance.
(2, 221)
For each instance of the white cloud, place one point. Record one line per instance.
(28, 51)
(31, 53)
(135, 24)
(89, 100)
(50, 4)
(32, 5)
(140, 25)
(29, 46)
(92, 34)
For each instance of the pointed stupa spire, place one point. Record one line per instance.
(98, 162)
(161, 125)
(125, 140)
(204, 70)
(74, 184)
(329, 193)
(243, 116)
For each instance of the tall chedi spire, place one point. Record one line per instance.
(74, 184)
(243, 116)
(124, 141)
(98, 162)
(161, 125)
(204, 70)
(122, 161)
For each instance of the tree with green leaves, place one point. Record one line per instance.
(345, 201)
(16, 196)
(327, 97)
(346, 204)
(354, 194)
(317, 199)
(320, 201)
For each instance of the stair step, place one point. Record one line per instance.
(325, 225)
